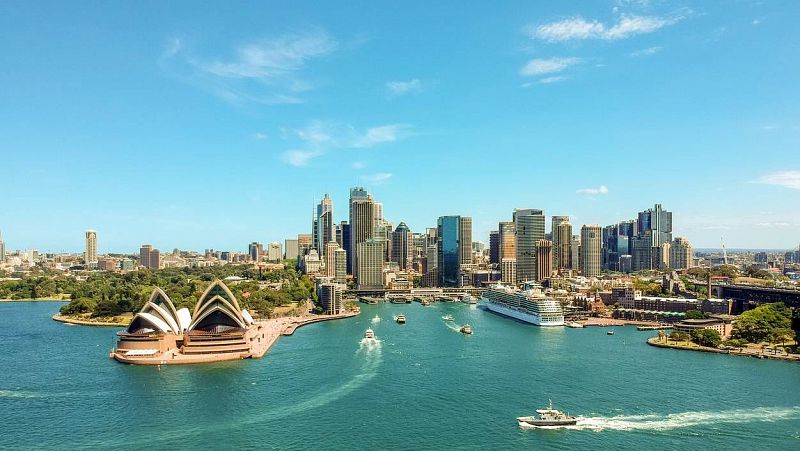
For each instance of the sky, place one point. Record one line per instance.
(194, 127)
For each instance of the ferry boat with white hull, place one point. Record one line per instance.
(523, 305)
(549, 417)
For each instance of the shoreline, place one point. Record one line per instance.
(35, 300)
(82, 322)
(654, 341)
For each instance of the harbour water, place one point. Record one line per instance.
(421, 385)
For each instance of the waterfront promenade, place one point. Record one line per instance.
(749, 351)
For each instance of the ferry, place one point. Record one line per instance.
(549, 417)
(524, 305)
(369, 334)
(401, 319)
(466, 329)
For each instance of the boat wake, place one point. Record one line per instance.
(453, 326)
(679, 420)
(368, 343)
(376, 319)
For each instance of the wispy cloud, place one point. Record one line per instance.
(359, 165)
(646, 52)
(260, 136)
(554, 79)
(602, 189)
(321, 137)
(264, 71)
(398, 88)
(577, 28)
(378, 178)
(543, 66)
(786, 179)
(772, 225)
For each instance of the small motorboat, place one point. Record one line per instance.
(549, 417)
(610, 332)
(401, 319)
(466, 329)
(369, 334)
(448, 317)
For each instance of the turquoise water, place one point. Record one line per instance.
(424, 386)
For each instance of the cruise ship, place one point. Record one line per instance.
(523, 305)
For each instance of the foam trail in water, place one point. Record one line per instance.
(376, 319)
(680, 420)
(453, 326)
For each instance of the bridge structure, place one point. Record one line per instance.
(746, 297)
(388, 293)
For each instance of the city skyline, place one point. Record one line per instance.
(593, 111)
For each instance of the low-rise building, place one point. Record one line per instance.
(690, 325)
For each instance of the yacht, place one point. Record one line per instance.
(610, 332)
(527, 305)
(369, 334)
(574, 325)
(466, 329)
(425, 302)
(401, 319)
(549, 417)
(448, 317)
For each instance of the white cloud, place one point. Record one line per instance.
(542, 66)
(381, 134)
(359, 165)
(756, 21)
(555, 79)
(602, 189)
(578, 28)
(377, 178)
(267, 71)
(321, 137)
(260, 136)
(299, 157)
(786, 179)
(646, 52)
(398, 88)
(773, 224)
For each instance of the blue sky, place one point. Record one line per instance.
(197, 127)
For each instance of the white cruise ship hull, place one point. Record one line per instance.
(516, 314)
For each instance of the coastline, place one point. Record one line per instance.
(654, 341)
(35, 300)
(82, 322)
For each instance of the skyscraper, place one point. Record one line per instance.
(544, 259)
(274, 252)
(555, 222)
(369, 264)
(144, 255)
(508, 241)
(591, 240)
(256, 251)
(564, 247)
(303, 243)
(2, 249)
(330, 258)
(494, 247)
(681, 254)
(657, 221)
(508, 271)
(402, 246)
(323, 226)
(464, 241)
(90, 255)
(529, 228)
(290, 247)
(340, 261)
(454, 248)
(362, 223)
(575, 252)
(346, 245)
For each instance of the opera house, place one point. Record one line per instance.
(217, 330)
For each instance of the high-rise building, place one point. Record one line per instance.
(494, 247)
(330, 296)
(330, 258)
(2, 249)
(564, 246)
(465, 241)
(642, 252)
(555, 222)
(658, 222)
(303, 243)
(663, 256)
(591, 241)
(275, 252)
(323, 226)
(155, 259)
(362, 223)
(290, 247)
(346, 245)
(144, 255)
(508, 271)
(508, 241)
(90, 255)
(256, 251)
(369, 264)
(681, 254)
(529, 228)
(575, 252)
(544, 260)
(454, 248)
(340, 263)
(402, 246)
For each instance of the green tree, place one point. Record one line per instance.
(679, 336)
(757, 324)
(694, 314)
(706, 337)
